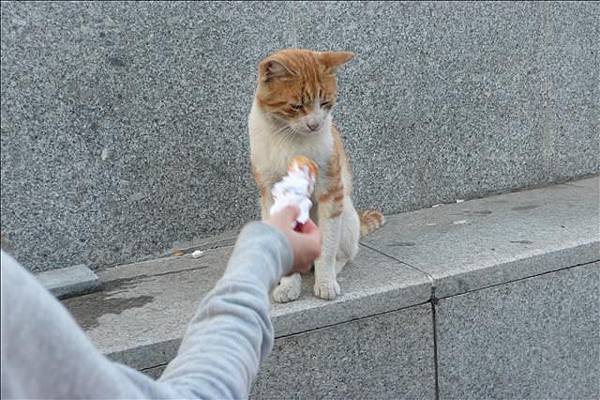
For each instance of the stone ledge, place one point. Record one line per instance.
(536, 338)
(70, 281)
(141, 313)
(498, 239)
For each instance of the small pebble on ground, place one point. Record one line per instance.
(197, 253)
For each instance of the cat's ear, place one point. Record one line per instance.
(270, 69)
(332, 60)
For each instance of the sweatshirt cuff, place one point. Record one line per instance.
(261, 253)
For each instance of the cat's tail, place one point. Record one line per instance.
(370, 220)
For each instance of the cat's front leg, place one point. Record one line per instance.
(266, 201)
(264, 188)
(330, 224)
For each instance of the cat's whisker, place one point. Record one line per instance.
(281, 136)
(286, 135)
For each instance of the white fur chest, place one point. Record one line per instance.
(271, 151)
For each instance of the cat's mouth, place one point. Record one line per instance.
(310, 133)
(303, 132)
(295, 129)
(307, 131)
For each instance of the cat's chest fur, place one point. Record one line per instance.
(271, 152)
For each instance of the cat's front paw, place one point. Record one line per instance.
(327, 290)
(287, 290)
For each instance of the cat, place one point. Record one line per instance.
(291, 115)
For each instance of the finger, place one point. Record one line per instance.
(313, 241)
(305, 269)
(290, 213)
(318, 248)
(309, 227)
(310, 239)
(315, 234)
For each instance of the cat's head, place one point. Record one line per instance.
(297, 88)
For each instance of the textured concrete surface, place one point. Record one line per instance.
(538, 338)
(497, 239)
(141, 313)
(124, 124)
(515, 315)
(70, 281)
(389, 356)
(323, 364)
(572, 88)
(154, 372)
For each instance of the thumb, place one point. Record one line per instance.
(290, 213)
(309, 227)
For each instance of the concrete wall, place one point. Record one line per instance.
(529, 339)
(502, 305)
(363, 359)
(124, 124)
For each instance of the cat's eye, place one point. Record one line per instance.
(296, 107)
(326, 104)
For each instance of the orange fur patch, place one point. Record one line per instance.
(289, 83)
(370, 220)
(336, 191)
(290, 80)
(303, 161)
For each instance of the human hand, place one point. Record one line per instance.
(306, 243)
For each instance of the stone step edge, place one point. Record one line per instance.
(151, 355)
(70, 281)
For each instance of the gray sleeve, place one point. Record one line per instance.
(46, 355)
(232, 333)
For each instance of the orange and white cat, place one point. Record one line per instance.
(290, 116)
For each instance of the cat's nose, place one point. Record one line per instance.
(313, 126)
